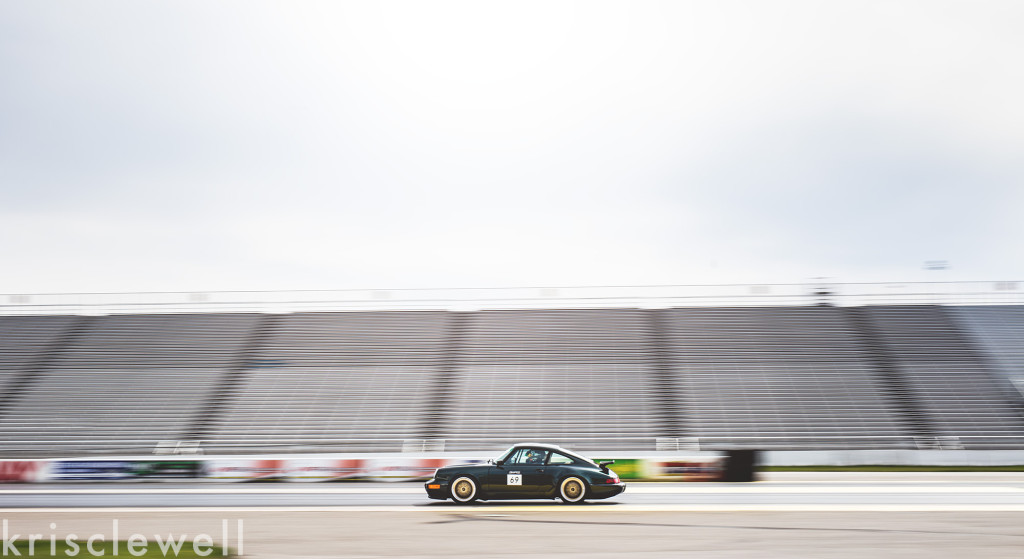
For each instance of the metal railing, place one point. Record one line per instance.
(111, 447)
(464, 299)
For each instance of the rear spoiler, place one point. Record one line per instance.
(604, 465)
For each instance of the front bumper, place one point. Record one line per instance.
(437, 489)
(605, 490)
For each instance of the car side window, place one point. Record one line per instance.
(516, 457)
(529, 456)
(557, 458)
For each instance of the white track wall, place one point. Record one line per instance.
(892, 458)
(697, 466)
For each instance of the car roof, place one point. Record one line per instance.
(552, 447)
(542, 445)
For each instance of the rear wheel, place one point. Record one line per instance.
(572, 490)
(464, 490)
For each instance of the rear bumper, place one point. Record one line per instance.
(607, 490)
(440, 490)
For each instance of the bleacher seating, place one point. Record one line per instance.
(24, 341)
(124, 384)
(778, 377)
(812, 377)
(351, 381)
(963, 400)
(579, 378)
(999, 330)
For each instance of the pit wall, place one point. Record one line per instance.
(693, 466)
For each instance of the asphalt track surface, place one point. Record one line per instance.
(787, 515)
(846, 492)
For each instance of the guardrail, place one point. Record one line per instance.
(464, 299)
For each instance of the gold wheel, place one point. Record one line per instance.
(573, 490)
(463, 490)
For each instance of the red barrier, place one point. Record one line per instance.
(25, 471)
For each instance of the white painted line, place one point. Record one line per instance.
(882, 489)
(220, 491)
(641, 489)
(490, 509)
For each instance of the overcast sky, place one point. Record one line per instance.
(290, 145)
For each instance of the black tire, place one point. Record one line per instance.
(572, 490)
(464, 490)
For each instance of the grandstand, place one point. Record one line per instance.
(25, 342)
(119, 383)
(761, 376)
(999, 330)
(966, 402)
(333, 381)
(581, 378)
(698, 377)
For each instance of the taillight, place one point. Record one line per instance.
(612, 480)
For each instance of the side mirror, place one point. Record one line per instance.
(498, 462)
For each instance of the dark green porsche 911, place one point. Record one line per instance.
(527, 471)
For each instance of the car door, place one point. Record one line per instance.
(535, 472)
(522, 476)
(505, 480)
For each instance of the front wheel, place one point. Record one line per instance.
(464, 490)
(572, 490)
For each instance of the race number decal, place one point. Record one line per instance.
(515, 479)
